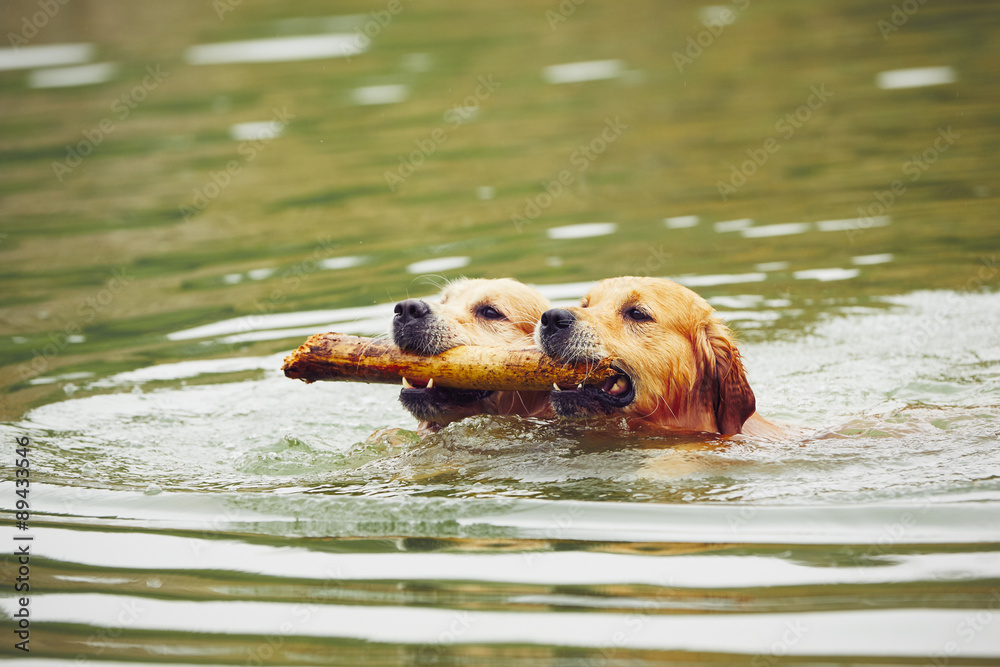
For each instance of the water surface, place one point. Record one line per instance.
(190, 191)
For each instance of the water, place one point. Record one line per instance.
(189, 193)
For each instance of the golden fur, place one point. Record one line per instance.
(457, 306)
(683, 364)
(488, 312)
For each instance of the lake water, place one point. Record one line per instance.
(190, 189)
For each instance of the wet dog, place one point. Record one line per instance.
(679, 364)
(499, 312)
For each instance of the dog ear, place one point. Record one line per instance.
(724, 380)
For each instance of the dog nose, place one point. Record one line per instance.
(411, 309)
(555, 319)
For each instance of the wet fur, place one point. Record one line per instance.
(683, 362)
(456, 319)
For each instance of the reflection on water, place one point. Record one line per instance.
(681, 221)
(783, 229)
(865, 260)
(165, 245)
(66, 77)
(582, 231)
(916, 77)
(279, 49)
(438, 264)
(733, 225)
(256, 130)
(390, 93)
(49, 55)
(593, 70)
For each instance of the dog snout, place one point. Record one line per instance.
(555, 332)
(410, 310)
(555, 320)
(414, 327)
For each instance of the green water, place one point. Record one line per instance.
(160, 255)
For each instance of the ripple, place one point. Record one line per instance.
(67, 77)
(915, 77)
(582, 231)
(578, 72)
(279, 49)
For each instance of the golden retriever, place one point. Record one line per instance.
(495, 312)
(680, 368)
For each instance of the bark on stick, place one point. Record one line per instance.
(339, 357)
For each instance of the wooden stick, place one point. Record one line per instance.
(338, 357)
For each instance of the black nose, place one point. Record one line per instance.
(411, 309)
(555, 319)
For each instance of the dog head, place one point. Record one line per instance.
(496, 313)
(679, 364)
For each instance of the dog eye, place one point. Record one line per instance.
(638, 315)
(489, 313)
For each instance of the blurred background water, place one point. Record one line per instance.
(191, 188)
